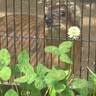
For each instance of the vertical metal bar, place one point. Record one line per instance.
(21, 29)
(66, 18)
(51, 29)
(59, 28)
(36, 32)
(44, 29)
(89, 36)
(75, 12)
(74, 40)
(82, 11)
(6, 23)
(29, 26)
(95, 58)
(14, 30)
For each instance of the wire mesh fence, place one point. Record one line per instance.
(35, 24)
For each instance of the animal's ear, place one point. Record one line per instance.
(75, 21)
(47, 9)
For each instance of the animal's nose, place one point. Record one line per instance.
(48, 20)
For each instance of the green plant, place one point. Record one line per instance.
(92, 82)
(11, 92)
(69, 84)
(5, 71)
(24, 80)
(31, 81)
(62, 51)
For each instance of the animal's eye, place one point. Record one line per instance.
(62, 14)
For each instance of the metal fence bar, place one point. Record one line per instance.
(95, 59)
(89, 35)
(14, 30)
(29, 27)
(21, 27)
(67, 19)
(82, 11)
(59, 28)
(6, 23)
(51, 31)
(36, 32)
(74, 40)
(44, 28)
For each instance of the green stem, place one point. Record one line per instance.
(16, 88)
(47, 91)
(91, 71)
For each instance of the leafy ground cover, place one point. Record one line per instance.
(22, 79)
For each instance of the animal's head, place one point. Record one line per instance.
(59, 15)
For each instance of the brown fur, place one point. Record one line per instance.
(36, 52)
(15, 44)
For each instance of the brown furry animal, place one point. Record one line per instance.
(20, 35)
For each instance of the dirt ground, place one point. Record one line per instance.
(88, 34)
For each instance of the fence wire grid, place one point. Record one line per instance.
(35, 24)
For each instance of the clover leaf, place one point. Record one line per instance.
(81, 86)
(11, 92)
(4, 58)
(66, 59)
(23, 57)
(5, 73)
(65, 47)
(52, 49)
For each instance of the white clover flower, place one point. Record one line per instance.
(58, 3)
(40, 2)
(74, 32)
(47, 0)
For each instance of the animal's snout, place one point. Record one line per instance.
(48, 20)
